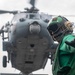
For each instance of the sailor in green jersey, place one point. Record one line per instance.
(64, 62)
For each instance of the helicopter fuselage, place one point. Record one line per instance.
(30, 43)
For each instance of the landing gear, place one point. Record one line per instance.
(4, 61)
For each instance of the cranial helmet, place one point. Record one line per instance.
(59, 26)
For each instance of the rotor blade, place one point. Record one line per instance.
(69, 15)
(32, 2)
(1, 30)
(4, 11)
(64, 15)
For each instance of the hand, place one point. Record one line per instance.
(64, 71)
(72, 43)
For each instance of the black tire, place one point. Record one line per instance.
(4, 61)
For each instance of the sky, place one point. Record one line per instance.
(51, 7)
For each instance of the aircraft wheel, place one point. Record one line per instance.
(4, 61)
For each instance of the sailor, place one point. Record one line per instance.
(64, 59)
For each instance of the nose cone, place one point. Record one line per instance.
(35, 29)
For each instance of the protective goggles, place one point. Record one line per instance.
(53, 29)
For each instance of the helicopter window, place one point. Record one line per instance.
(19, 16)
(34, 16)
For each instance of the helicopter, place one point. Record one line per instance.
(28, 42)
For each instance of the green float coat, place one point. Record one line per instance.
(64, 56)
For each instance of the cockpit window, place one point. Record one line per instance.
(19, 16)
(24, 16)
(34, 16)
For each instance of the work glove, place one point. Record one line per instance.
(72, 43)
(64, 71)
